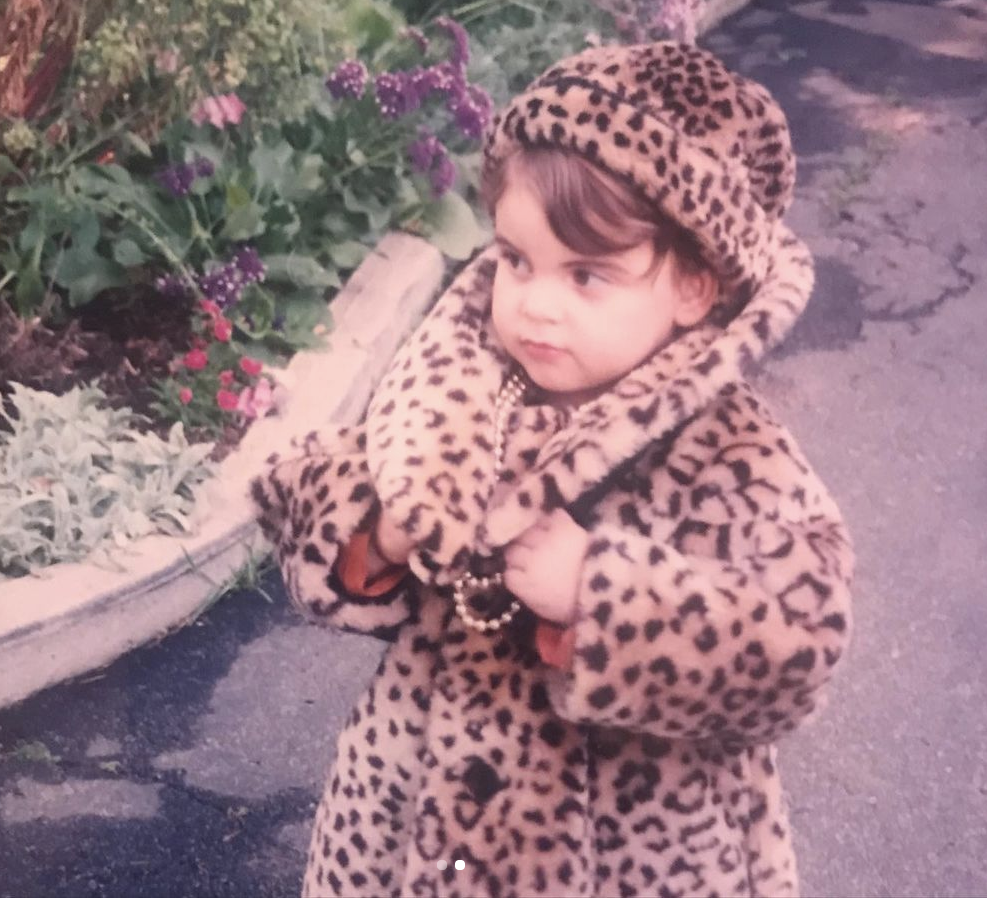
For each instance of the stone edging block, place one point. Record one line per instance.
(715, 11)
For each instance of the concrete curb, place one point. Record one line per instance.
(79, 617)
(715, 11)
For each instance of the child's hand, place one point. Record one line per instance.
(544, 565)
(390, 541)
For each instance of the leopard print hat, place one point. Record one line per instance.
(709, 147)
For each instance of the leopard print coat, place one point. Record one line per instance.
(713, 608)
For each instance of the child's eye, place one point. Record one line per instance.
(586, 278)
(512, 258)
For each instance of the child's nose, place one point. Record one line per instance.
(540, 301)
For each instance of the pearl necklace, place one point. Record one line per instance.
(468, 586)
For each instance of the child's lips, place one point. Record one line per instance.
(544, 350)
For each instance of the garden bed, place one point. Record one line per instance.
(120, 343)
(76, 617)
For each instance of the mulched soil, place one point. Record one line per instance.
(120, 342)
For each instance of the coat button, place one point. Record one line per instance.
(482, 780)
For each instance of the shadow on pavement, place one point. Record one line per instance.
(148, 703)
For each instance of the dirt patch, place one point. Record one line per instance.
(118, 342)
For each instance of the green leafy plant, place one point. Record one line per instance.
(513, 47)
(77, 480)
(146, 62)
(315, 192)
(514, 40)
(84, 231)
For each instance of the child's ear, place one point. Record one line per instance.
(697, 291)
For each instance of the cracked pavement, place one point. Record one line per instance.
(192, 766)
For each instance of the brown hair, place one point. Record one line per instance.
(590, 211)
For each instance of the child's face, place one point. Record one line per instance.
(575, 323)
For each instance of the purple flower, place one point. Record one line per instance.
(178, 179)
(397, 94)
(248, 263)
(448, 79)
(348, 80)
(171, 286)
(443, 174)
(423, 152)
(429, 157)
(224, 283)
(460, 41)
(221, 285)
(400, 93)
(278, 322)
(441, 78)
(424, 82)
(417, 36)
(471, 109)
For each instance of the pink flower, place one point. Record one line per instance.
(218, 111)
(226, 377)
(184, 395)
(227, 400)
(232, 107)
(250, 367)
(196, 360)
(222, 330)
(257, 401)
(210, 308)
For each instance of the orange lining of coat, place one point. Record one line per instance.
(554, 642)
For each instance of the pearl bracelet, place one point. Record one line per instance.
(481, 584)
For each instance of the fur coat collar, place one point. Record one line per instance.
(434, 473)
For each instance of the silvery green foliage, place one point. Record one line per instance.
(76, 480)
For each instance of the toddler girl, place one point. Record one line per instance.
(609, 577)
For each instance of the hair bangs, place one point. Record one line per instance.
(590, 213)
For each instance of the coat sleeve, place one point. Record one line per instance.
(309, 507)
(726, 630)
